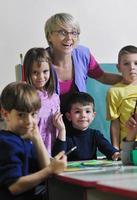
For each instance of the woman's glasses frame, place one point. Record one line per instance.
(63, 33)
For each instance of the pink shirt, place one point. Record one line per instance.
(93, 71)
(65, 86)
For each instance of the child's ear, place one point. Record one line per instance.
(118, 67)
(4, 114)
(94, 114)
(67, 114)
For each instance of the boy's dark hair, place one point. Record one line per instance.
(38, 55)
(130, 49)
(79, 97)
(21, 97)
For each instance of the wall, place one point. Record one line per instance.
(98, 91)
(106, 26)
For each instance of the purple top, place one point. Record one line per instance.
(84, 65)
(49, 105)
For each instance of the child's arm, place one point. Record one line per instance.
(129, 141)
(115, 133)
(105, 147)
(132, 129)
(42, 154)
(60, 143)
(59, 124)
(25, 183)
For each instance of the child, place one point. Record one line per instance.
(121, 98)
(81, 113)
(38, 72)
(24, 161)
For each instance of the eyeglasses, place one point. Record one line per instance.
(63, 33)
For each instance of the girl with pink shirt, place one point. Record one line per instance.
(38, 72)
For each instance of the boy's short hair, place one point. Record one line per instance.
(130, 49)
(21, 97)
(79, 97)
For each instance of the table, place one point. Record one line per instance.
(95, 183)
(125, 187)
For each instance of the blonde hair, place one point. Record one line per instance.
(60, 19)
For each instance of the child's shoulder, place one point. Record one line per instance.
(54, 98)
(55, 95)
(118, 87)
(44, 95)
(94, 132)
(121, 89)
(9, 138)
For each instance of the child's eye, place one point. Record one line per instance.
(88, 111)
(21, 115)
(126, 64)
(34, 114)
(77, 111)
(35, 72)
(45, 71)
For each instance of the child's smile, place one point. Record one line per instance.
(81, 115)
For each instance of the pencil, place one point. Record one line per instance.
(67, 153)
(134, 109)
(72, 149)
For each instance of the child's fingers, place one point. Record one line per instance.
(60, 155)
(57, 117)
(131, 123)
(116, 156)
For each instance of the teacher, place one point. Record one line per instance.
(72, 63)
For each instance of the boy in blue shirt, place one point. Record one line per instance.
(24, 161)
(80, 113)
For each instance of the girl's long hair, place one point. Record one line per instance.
(38, 55)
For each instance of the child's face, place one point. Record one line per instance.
(128, 67)
(21, 123)
(81, 116)
(40, 74)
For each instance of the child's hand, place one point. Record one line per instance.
(33, 133)
(132, 122)
(58, 163)
(131, 125)
(116, 156)
(58, 121)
